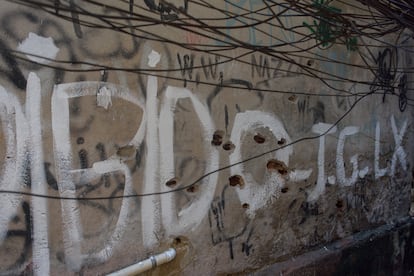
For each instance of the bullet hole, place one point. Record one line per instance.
(246, 205)
(192, 189)
(310, 62)
(339, 203)
(126, 151)
(179, 242)
(260, 139)
(228, 146)
(80, 140)
(293, 98)
(277, 166)
(217, 138)
(281, 141)
(285, 190)
(171, 183)
(236, 180)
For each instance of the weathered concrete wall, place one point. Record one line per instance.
(233, 144)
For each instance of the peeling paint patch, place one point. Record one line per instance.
(38, 48)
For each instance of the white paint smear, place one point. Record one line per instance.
(340, 163)
(38, 48)
(379, 172)
(41, 265)
(153, 58)
(299, 175)
(399, 153)
(324, 129)
(150, 212)
(103, 97)
(16, 135)
(332, 180)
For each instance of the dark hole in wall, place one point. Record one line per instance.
(277, 166)
(217, 138)
(260, 139)
(236, 180)
(228, 146)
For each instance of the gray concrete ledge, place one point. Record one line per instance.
(385, 250)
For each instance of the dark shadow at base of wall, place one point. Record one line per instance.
(386, 250)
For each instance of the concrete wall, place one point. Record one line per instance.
(124, 109)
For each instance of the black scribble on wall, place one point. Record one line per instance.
(387, 62)
(403, 89)
(26, 235)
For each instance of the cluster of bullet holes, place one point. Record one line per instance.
(237, 180)
(218, 141)
(258, 138)
(273, 164)
(172, 183)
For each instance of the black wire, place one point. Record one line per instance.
(201, 177)
(371, 23)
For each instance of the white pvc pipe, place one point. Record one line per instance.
(147, 264)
